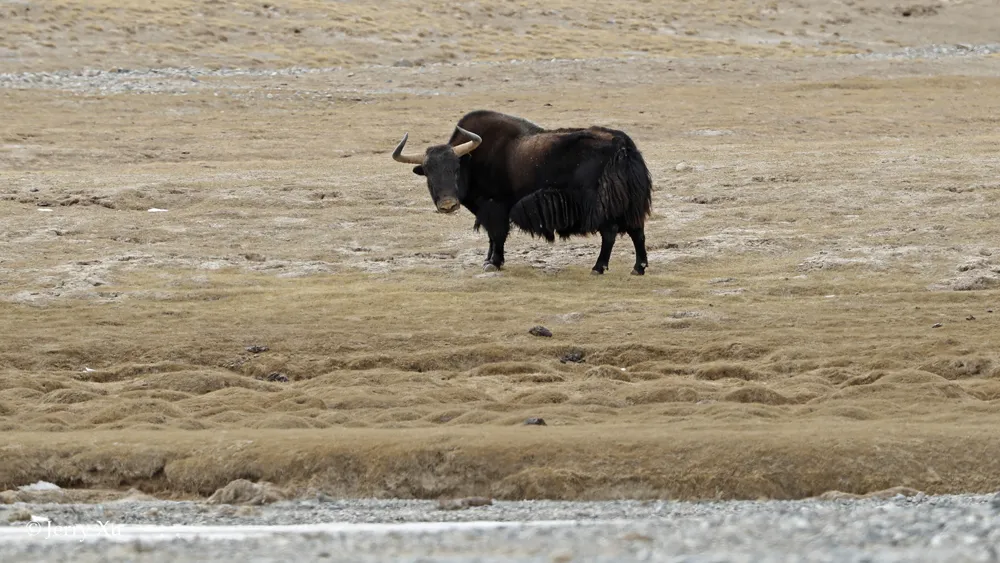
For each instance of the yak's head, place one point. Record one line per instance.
(440, 165)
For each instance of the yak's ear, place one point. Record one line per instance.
(418, 170)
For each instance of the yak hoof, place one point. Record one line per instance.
(638, 272)
(596, 273)
(490, 267)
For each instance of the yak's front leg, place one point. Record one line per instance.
(495, 218)
(489, 254)
(495, 259)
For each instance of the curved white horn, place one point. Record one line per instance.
(398, 155)
(468, 146)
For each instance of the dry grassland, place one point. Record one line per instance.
(820, 311)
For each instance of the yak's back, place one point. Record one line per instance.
(494, 127)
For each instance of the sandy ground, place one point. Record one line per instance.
(211, 269)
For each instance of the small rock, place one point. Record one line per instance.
(937, 325)
(255, 349)
(540, 330)
(461, 503)
(242, 491)
(682, 167)
(534, 421)
(277, 377)
(39, 486)
(246, 511)
(893, 492)
(574, 357)
(970, 318)
(570, 317)
(19, 515)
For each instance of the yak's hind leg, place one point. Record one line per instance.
(609, 233)
(638, 237)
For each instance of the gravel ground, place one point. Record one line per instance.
(920, 528)
(185, 80)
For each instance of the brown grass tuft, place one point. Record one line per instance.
(608, 372)
(67, 396)
(142, 407)
(756, 394)
(663, 395)
(725, 370)
(546, 397)
(960, 368)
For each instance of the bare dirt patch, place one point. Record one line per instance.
(818, 313)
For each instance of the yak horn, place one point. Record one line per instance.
(468, 146)
(398, 155)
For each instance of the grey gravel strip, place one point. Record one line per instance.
(922, 528)
(934, 52)
(182, 80)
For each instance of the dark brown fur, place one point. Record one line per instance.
(546, 182)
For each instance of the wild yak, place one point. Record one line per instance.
(571, 181)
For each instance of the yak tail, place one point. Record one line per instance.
(624, 190)
(545, 212)
(638, 185)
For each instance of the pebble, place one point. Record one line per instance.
(460, 503)
(278, 377)
(540, 330)
(574, 357)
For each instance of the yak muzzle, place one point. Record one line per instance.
(448, 206)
